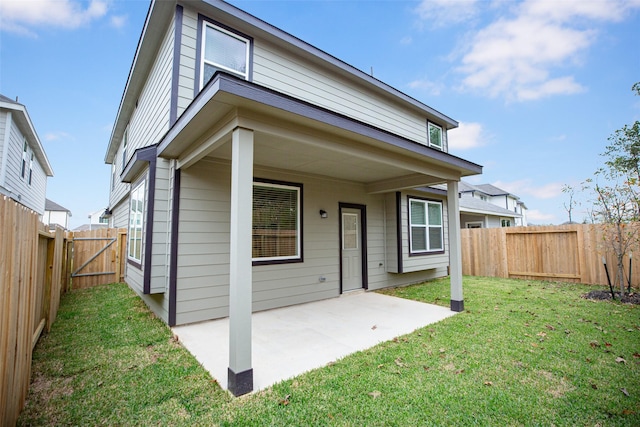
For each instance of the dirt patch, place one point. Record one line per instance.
(633, 298)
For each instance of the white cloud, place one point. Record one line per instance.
(517, 57)
(536, 216)
(525, 187)
(466, 136)
(55, 136)
(425, 85)
(441, 13)
(118, 21)
(406, 40)
(21, 17)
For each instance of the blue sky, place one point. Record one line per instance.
(537, 86)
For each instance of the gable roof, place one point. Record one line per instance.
(21, 117)
(473, 205)
(158, 17)
(52, 206)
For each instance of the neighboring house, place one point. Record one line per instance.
(255, 171)
(98, 220)
(54, 214)
(487, 206)
(24, 167)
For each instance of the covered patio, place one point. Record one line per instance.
(292, 340)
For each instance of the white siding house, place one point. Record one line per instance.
(56, 215)
(487, 206)
(254, 171)
(24, 167)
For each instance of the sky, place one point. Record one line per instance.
(537, 85)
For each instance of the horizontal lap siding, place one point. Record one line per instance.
(423, 262)
(279, 70)
(161, 224)
(203, 253)
(187, 71)
(150, 119)
(203, 243)
(32, 196)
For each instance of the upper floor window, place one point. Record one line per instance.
(125, 137)
(31, 168)
(223, 50)
(425, 226)
(435, 135)
(276, 222)
(25, 158)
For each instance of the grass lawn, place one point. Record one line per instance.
(523, 353)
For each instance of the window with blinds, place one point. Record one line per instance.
(276, 222)
(223, 50)
(425, 225)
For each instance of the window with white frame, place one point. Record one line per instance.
(31, 168)
(125, 137)
(136, 222)
(435, 135)
(223, 50)
(505, 222)
(425, 226)
(276, 222)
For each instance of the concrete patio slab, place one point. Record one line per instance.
(292, 340)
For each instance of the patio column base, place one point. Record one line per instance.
(240, 383)
(457, 306)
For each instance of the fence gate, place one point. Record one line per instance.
(97, 257)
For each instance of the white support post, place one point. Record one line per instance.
(455, 251)
(240, 380)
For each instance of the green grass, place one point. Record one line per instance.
(523, 353)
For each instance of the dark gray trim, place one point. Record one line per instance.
(399, 231)
(196, 82)
(363, 239)
(173, 256)
(142, 157)
(301, 216)
(240, 383)
(295, 43)
(226, 83)
(199, 57)
(457, 306)
(175, 75)
(417, 254)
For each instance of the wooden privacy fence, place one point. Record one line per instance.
(571, 253)
(98, 256)
(32, 263)
(36, 267)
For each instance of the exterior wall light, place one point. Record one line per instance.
(323, 213)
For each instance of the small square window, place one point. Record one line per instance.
(435, 135)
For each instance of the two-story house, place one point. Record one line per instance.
(487, 206)
(24, 166)
(255, 171)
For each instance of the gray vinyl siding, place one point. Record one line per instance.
(120, 214)
(161, 225)
(203, 251)
(281, 70)
(30, 195)
(187, 72)
(429, 261)
(4, 141)
(150, 120)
